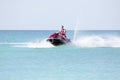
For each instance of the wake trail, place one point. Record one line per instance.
(97, 41)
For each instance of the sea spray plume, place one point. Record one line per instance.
(75, 31)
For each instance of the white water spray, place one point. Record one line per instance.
(35, 44)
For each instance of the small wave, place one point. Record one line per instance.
(97, 41)
(35, 44)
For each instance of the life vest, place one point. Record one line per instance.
(62, 32)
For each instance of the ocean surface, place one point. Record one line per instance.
(91, 55)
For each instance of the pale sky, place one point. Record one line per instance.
(51, 14)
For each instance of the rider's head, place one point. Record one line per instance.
(62, 26)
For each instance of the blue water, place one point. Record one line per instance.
(93, 55)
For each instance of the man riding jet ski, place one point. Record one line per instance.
(59, 38)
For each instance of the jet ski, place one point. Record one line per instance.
(57, 40)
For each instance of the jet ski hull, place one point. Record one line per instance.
(56, 42)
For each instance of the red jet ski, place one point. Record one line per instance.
(57, 40)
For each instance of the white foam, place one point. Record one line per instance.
(97, 41)
(35, 44)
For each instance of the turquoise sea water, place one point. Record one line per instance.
(92, 55)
